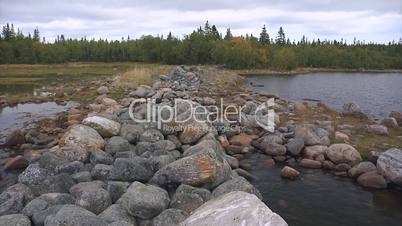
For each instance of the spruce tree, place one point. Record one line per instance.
(264, 36)
(281, 39)
(228, 35)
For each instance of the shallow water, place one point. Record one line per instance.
(320, 198)
(376, 93)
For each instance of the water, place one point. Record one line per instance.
(320, 198)
(22, 114)
(376, 93)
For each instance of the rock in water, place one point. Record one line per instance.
(104, 126)
(343, 153)
(232, 209)
(82, 136)
(389, 164)
(288, 172)
(15, 138)
(372, 180)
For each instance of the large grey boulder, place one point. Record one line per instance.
(116, 189)
(101, 172)
(295, 146)
(389, 164)
(144, 201)
(343, 153)
(236, 184)
(131, 132)
(188, 198)
(351, 109)
(74, 215)
(45, 201)
(71, 153)
(169, 217)
(117, 213)
(91, 196)
(82, 136)
(117, 144)
(361, 168)
(101, 157)
(232, 209)
(14, 198)
(104, 126)
(133, 169)
(14, 220)
(308, 135)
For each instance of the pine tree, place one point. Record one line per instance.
(228, 35)
(281, 39)
(36, 36)
(264, 36)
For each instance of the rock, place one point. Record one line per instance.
(14, 220)
(169, 217)
(122, 223)
(59, 183)
(184, 201)
(102, 90)
(307, 135)
(373, 156)
(312, 164)
(71, 153)
(397, 116)
(133, 169)
(245, 174)
(117, 144)
(39, 217)
(101, 172)
(242, 139)
(82, 136)
(193, 132)
(274, 149)
(15, 138)
(377, 129)
(45, 205)
(91, 196)
(328, 165)
(18, 162)
(131, 132)
(70, 167)
(389, 164)
(14, 198)
(372, 180)
(101, 157)
(144, 201)
(236, 184)
(117, 213)
(233, 162)
(50, 161)
(104, 126)
(351, 109)
(142, 91)
(234, 209)
(312, 152)
(361, 168)
(205, 168)
(33, 175)
(341, 137)
(74, 215)
(343, 153)
(83, 176)
(390, 122)
(342, 167)
(290, 173)
(116, 189)
(295, 146)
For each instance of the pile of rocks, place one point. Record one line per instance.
(109, 170)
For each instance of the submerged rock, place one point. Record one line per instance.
(288, 172)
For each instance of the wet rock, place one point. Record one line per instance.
(389, 164)
(372, 180)
(101, 172)
(105, 127)
(169, 217)
(232, 209)
(295, 146)
(18, 162)
(14, 198)
(343, 153)
(14, 220)
(361, 168)
(245, 174)
(233, 162)
(290, 173)
(205, 168)
(312, 152)
(236, 184)
(397, 116)
(133, 169)
(71, 153)
(274, 149)
(15, 138)
(101, 157)
(311, 164)
(116, 189)
(91, 196)
(144, 201)
(74, 215)
(307, 135)
(102, 90)
(390, 122)
(117, 213)
(117, 144)
(377, 129)
(82, 136)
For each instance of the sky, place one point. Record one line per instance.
(370, 20)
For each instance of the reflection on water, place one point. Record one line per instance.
(320, 198)
(377, 94)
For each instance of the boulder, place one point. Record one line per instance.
(102, 90)
(82, 136)
(69, 167)
(14, 198)
(234, 209)
(390, 122)
(71, 153)
(397, 116)
(311, 164)
(144, 201)
(101, 172)
(389, 164)
(91, 196)
(204, 168)
(236, 184)
(39, 217)
(14, 220)
(295, 146)
(242, 139)
(290, 173)
(15, 138)
(192, 132)
(142, 91)
(151, 135)
(307, 135)
(378, 129)
(372, 180)
(342, 167)
(83, 176)
(133, 169)
(351, 109)
(341, 137)
(101, 157)
(361, 168)
(117, 144)
(116, 189)
(131, 132)
(115, 213)
(18, 162)
(188, 198)
(343, 153)
(74, 215)
(169, 217)
(312, 152)
(104, 126)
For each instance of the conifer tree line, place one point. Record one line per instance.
(205, 45)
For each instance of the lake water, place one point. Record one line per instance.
(320, 198)
(376, 93)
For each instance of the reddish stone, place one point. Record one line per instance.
(312, 164)
(18, 162)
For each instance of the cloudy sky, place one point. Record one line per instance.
(370, 20)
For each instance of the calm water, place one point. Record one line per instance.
(377, 93)
(319, 198)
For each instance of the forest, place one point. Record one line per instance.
(205, 45)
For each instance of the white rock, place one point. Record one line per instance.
(104, 126)
(82, 136)
(234, 208)
(343, 153)
(389, 164)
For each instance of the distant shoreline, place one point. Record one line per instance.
(248, 72)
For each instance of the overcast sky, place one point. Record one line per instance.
(370, 20)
